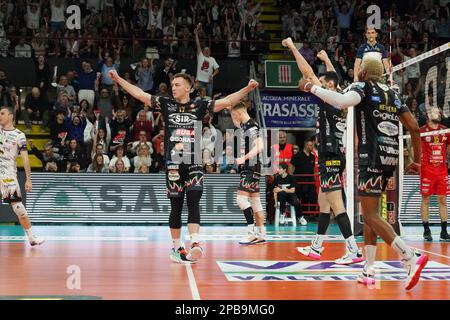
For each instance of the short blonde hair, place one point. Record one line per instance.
(373, 67)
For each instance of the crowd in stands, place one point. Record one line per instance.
(339, 29)
(88, 116)
(129, 28)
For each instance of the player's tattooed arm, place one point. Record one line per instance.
(408, 120)
(302, 64)
(234, 98)
(27, 168)
(135, 91)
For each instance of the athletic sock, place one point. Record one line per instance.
(29, 233)
(402, 248)
(324, 222)
(176, 243)
(371, 252)
(261, 231)
(350, 242)
(426, 226)
(317, 241)
(251, 228)
(443, 227)
(195, 237)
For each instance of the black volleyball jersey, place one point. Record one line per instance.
(331, 125)
(182, 128)
(247, 136)
(377, 124)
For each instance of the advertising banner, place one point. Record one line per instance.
(289, 110)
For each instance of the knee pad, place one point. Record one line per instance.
(243, 202)
(19, 210)
(256, 204)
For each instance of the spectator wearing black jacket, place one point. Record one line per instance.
(120, 130)
(58, 129)
(48, 157)
(73, 154)
(43, 73)
(36, 108)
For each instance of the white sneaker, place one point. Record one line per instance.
(311, 252)
(252, 239)
(367, 276)
(195, 253)
(303, 221)
(350, 258)
(414, 267)
(36, 241)
(282, 218)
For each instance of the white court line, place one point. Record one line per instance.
(192, 283)
(75, 238)
(433, 253)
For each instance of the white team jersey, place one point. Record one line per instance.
(11, 143)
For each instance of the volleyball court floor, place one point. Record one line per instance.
(132, 262)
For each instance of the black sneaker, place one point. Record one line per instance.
(444, 237)
(427, 235)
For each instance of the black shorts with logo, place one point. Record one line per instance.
(371, 181)
(330, 171)
(183, 177)
(249, 181)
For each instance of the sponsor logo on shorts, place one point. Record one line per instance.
(323, 271)
(331, 163)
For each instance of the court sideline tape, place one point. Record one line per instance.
(192, 283)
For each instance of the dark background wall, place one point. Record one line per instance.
(233, 73)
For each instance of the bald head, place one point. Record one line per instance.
(35, 92)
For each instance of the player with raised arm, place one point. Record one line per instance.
(13, 143)
(184, 174)
(378, 112)
(331, 125)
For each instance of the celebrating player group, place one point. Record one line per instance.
(377, 159)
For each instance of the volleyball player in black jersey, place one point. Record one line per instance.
(250, 145)
(184, 175)
(379, 111)
(330, 129)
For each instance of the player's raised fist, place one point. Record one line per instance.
(253, 84)
(113, 75)
(322, 55)
(305, 85)
(287, 42)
